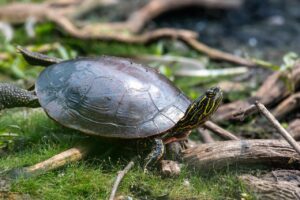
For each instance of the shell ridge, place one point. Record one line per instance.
(152, 100)
(157, 128)
(120, 102)
(107, 123)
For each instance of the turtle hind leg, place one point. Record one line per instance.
(12, 96)
(156, 153)
(34, 58)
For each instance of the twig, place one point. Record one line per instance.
(71, 155)
(217, 54)
(120, 176)
(286, 106)
(278, 127)
(220, 131)
(294, 129)
(206, 137)
(242, 114)
(68, 156)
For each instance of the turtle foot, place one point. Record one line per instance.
(17, 173)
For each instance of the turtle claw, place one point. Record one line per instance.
(17, 173)
(146, 171)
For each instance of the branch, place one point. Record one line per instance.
(219, 130)
(205, 135)
(217, 54)
(242, 114)
(294, 128)
(70, 155)
(278, 127)
(120, 176)
(244, 153)
(287, 106)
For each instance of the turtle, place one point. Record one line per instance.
(112, 97)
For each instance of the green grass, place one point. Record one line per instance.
(40, 138)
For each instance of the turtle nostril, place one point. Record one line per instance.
(216, 89)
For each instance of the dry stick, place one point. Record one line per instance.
(221, 154)
(217, 54)
(70, 155)
(120, 176)
(286, 106)
(206, 137)
(294, 129)
(220, 131)
(242, 114)
(277, 125)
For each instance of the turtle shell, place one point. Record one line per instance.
(110, 97)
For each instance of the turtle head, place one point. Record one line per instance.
(207, 104)
(201, 109)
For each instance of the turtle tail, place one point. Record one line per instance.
(34, 58)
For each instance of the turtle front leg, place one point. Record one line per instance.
(156, 153)
(12, 96)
